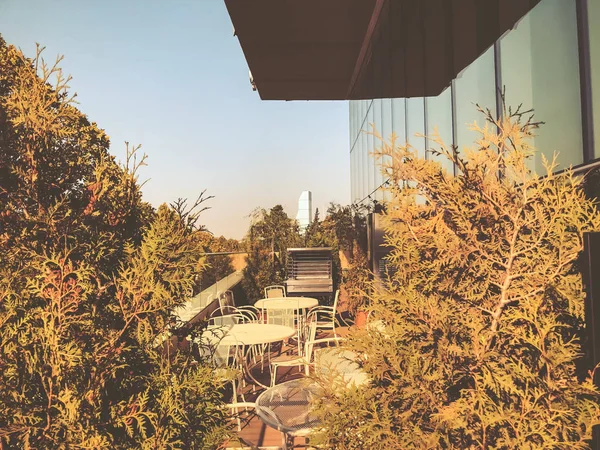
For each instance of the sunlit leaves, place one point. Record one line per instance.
(89, 277)
(484, 313)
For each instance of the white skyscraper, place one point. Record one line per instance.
(305, 214)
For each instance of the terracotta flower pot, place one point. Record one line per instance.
(360, 320)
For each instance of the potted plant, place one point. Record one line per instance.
(355, 284)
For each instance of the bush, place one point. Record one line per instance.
(89, 276)
(484, 312)
(270, 234)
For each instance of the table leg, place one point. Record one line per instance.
(286, 439)
(247, 371)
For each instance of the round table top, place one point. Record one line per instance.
(286, 303)
(253, 333)
(287, 406)
(341, 364)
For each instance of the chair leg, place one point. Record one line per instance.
(234, 393)
(286, 440)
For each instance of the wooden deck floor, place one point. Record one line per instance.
(255, 434)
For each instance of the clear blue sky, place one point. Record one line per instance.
(171, 76)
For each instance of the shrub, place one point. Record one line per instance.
(89, 276)
(270, 234)
(484, 312)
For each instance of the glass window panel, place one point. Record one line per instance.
(370, 146)
(352, 126)
(358, 163)
(363, 113)
(352, 172)
(357, 189)
(378, 122)
(364, 159)
(474, 85)
(594, 30)
(399, 120)
(415, 120)
(439, 119)
(386, 131)
(354, 177)
(540, 69)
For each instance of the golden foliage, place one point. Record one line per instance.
(484, 312)
(89, 277)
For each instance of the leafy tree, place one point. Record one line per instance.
(483, 317)
(216, 266)
(313, 236)
(356, 279)
(89, 277)
(271, 233)
(347, 224)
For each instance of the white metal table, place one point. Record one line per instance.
(339, 365)
(248, 334)
(287, 303)
(287, 408)
(256, 333)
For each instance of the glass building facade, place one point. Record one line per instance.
(549, 62)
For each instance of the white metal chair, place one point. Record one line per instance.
(222, 356)
(226, 316)
(226, 299)
(288, 317)
(252, 313)
(304, 360)
(235, 409)
(325, 315)
(275, 291)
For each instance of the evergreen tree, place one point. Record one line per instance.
(314, 235)
(271, 233)
(89, 277)
(346, 224)
(483, 317)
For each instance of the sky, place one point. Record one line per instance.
(170, 75)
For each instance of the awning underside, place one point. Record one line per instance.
(311, 49)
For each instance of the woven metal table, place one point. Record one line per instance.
(298, 306)
(286, 303)
(287, 408)
(248, 334)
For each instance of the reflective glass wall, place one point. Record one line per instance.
(593, 9)
(537, 63)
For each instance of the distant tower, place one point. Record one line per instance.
(305, 214)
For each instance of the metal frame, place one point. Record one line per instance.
(585, 76)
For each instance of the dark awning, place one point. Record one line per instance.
(354, 49)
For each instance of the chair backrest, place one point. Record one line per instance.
(310, 338)
(250, 313)
(285, 317)
(335, 301)
(226, 315)
(228, 319)
(210, 346)
(225, 355)
(226, 298)
(274, 291)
